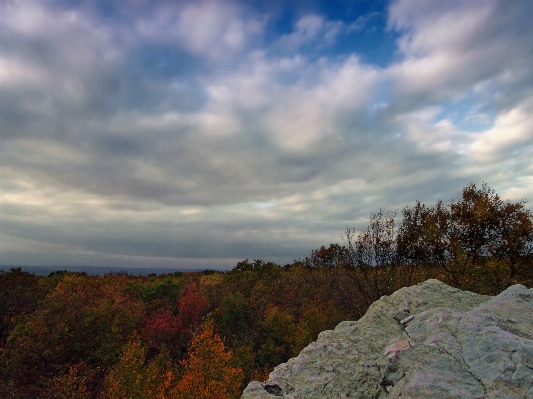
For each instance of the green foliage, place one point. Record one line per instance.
(233, 318)
(315, 319)
(164, 291)
(20, 294)
(279, 327)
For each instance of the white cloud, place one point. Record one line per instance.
(212, 29)
(307, 30)
(361, 22)
(312, 30)
(433, 28)
(421, 129)
(446, 49)
(298, 116)
(201, 26)
(512, 132)
(469, 57)
(19, 73)
(235, 36)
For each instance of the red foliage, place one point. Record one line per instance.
(192, 306)
(160, 327)
(175, 332)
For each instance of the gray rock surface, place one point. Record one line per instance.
(425, 341)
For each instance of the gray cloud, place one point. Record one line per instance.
(129, 139)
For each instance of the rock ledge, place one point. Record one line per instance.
(424, 341)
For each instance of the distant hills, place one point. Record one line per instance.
(98, 270)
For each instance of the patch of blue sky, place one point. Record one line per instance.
(350, 27)
(467, 114)
(366, 34)
(165, 61)
(380, 100)
(374, 45)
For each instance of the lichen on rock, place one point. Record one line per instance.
(425, 341)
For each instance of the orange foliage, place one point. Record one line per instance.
(208, 371)
(71, 385)
(131, 378)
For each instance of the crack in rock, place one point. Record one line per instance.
(462, 359)
(274, 390)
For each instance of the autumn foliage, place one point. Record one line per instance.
(133, 377)
(208, 372)
(206, 335)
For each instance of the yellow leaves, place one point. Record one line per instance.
(71, 385)
(132, 379)
(211, 281)
(208, 372)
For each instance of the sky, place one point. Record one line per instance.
(195, 134)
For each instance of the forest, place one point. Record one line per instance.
(207, 334)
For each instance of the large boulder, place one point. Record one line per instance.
(425, 341)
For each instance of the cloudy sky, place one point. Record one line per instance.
(199, 133)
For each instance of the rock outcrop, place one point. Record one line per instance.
(425, 341)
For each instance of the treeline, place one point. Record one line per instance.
(206, 335)
(476, 242)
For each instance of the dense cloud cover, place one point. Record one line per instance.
(199, 133)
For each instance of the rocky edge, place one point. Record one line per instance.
(425, 341)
